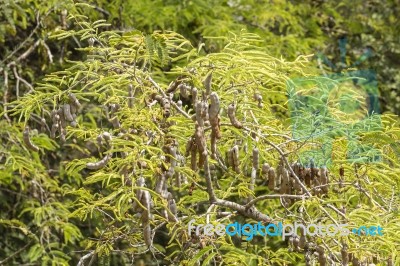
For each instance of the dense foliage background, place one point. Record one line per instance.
(123, 120)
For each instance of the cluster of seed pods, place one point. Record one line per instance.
(65, 114)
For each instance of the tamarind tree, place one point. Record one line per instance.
(107, 160)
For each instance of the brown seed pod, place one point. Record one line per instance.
(99, 164)
(321, 256)
(74, 101)
(296, 243)
(160, 183)
(259, 99)
(355, 261)
(147, 234)
(184, 91)
(264, 172)
(146, 202)
(235, 159)
(290, 243)
(138, 193)
(63, 134)
(324, 180)
(114, 118)
(213, 113)
(28, 142)
(173, 209)
(193, 158)
(256, 155)
(345, 255)
(307, 259)
(207, 83)
(54, 129)
(67, 112)
(63, 18)
(302, 241)
(62, 122)
(271, 178)
(307, 176)
(194, 97)
(166, 105)
(232, 116)
(284, 186)
(173, 85)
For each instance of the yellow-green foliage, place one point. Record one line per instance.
(80, 198)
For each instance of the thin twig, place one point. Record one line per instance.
(82, 260)
(275, 196)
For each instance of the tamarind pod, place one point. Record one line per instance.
(345, 255)
(100, 164)
(213, 113)
(147, 234)
(160, 183)
(307, 177)
(302, 241)
(173, 209)
(53, 131)
(324, 180)
(296, 243)
(341, 171)
(264, 169)
(67, 112)
(321, 255)
(173, 86)
(355, 261)
(172, 153)
(213, 145)
(256, 156)
(189, 146)
(193, 159)
(62, 134)
(390, 262)
(178, 179)
(165, 103)
(73, 109)
(61, 120)
(74, 101)
(312, 167)
(183, 91)
(316, 181)
(63, 19)
(207, 83)
(27, 140)
(194, 97)
(179, 103)
(235, 158)
(232, 117)
(146, 202)
(307, 259)
(54, 116)
(271, 178)
(255, 162)
(290, 242)
(257, 97)
(284, 186)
